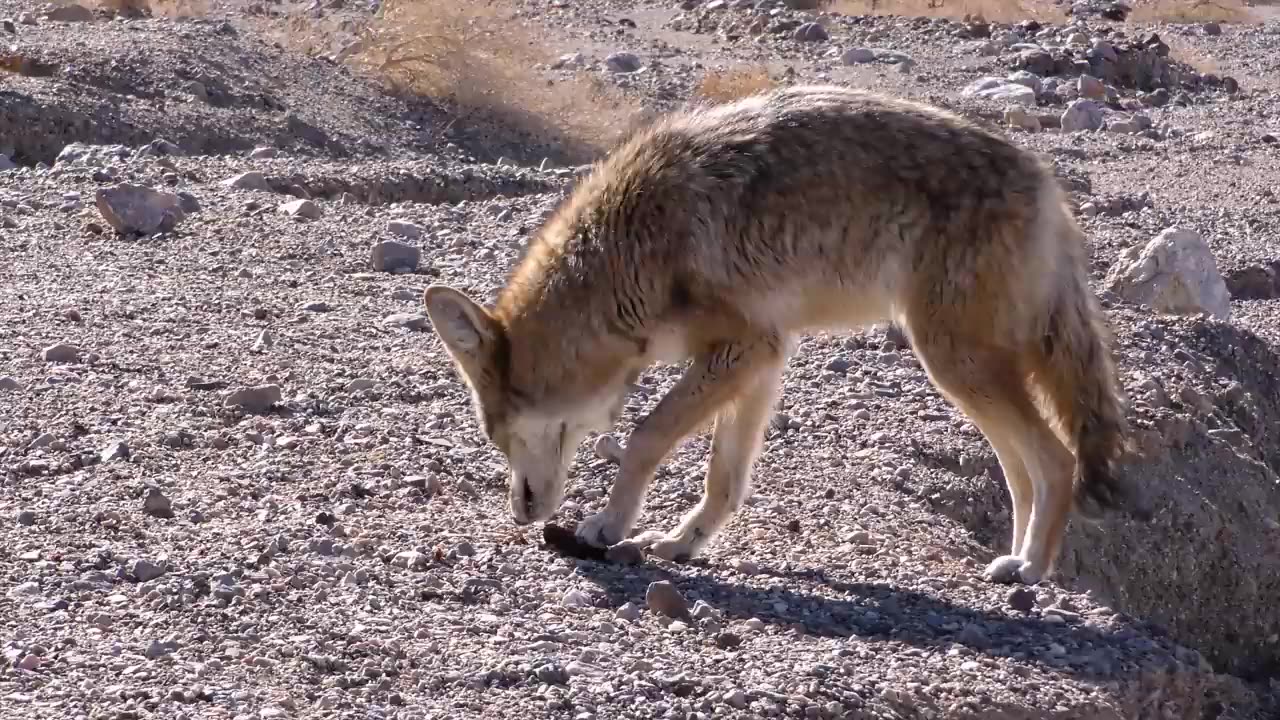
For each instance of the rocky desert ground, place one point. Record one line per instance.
(242, 480)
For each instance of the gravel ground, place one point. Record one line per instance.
(241, 479)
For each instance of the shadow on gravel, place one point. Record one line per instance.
(876, 611)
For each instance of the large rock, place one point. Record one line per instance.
(1081, 115)
(994, 88)
(1175, 273)
(394, 256)
(135, 209)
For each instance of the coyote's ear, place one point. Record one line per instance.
(468, 331)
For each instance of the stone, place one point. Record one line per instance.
(1211, 28)
(263, 153)
(61, 353)
(811, 32)
(254, 399)
(1090, 88)
(858, 56)
(1081, 115)
(608, 448)
(401, 228)
(1175, 273)
(411, 560)
(252, 180)
(118, 450)
(188, 202)
(628, 611)
(304, 209)
(160, 648)
(144, 570)
(1031, 80)
(410, 321)
(663, 598)
(622, 62)
(360, 384)
(394, 256)
(1018, 117)
(138, 210)
(1038, 62)
(9, 383)
(156, 504)
(1022, 599)
(576, 600)
(994, 88)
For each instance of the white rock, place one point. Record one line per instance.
(404, 229)
(577, 600)
(1174, 273)
(139, 210)
(409, 321)
(1081, 115)
(393, 256)
(1090, 87)
(994, 88)
(253, 180)
(302, 209)
(622, 62)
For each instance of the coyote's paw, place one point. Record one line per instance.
(1008, 569)
(668, 546)
(603, 529)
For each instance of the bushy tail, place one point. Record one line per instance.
(1081, 389)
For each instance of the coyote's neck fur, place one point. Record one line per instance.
(580, 301)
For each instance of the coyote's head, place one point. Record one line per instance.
(535, 410)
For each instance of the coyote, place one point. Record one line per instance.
(719, 234)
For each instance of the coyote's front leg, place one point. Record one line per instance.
(745, 371)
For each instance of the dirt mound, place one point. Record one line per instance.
(206, 85)
(1206, 570)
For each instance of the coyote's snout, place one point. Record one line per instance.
(721, 234)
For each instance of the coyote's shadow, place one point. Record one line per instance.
(882, 612)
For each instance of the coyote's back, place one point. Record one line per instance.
(722, 233)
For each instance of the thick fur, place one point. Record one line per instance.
(721, 234)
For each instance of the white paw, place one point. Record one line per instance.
(1008, 569)
(603, 529)
(673, 550)
(668, 546)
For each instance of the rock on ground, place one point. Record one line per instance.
(1173, 273)
(134, 209)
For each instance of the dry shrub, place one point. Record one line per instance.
(720, 86)
(1192, 11)
(488, 66)
(1007, 11)
(156, 8)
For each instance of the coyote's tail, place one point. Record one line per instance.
(1082, 390)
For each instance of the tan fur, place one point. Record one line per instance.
(721, 234)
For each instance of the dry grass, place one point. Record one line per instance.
(992, 10)
(1192, 11)
(489, 68)
(720, 86)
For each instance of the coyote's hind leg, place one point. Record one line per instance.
(988, 384)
